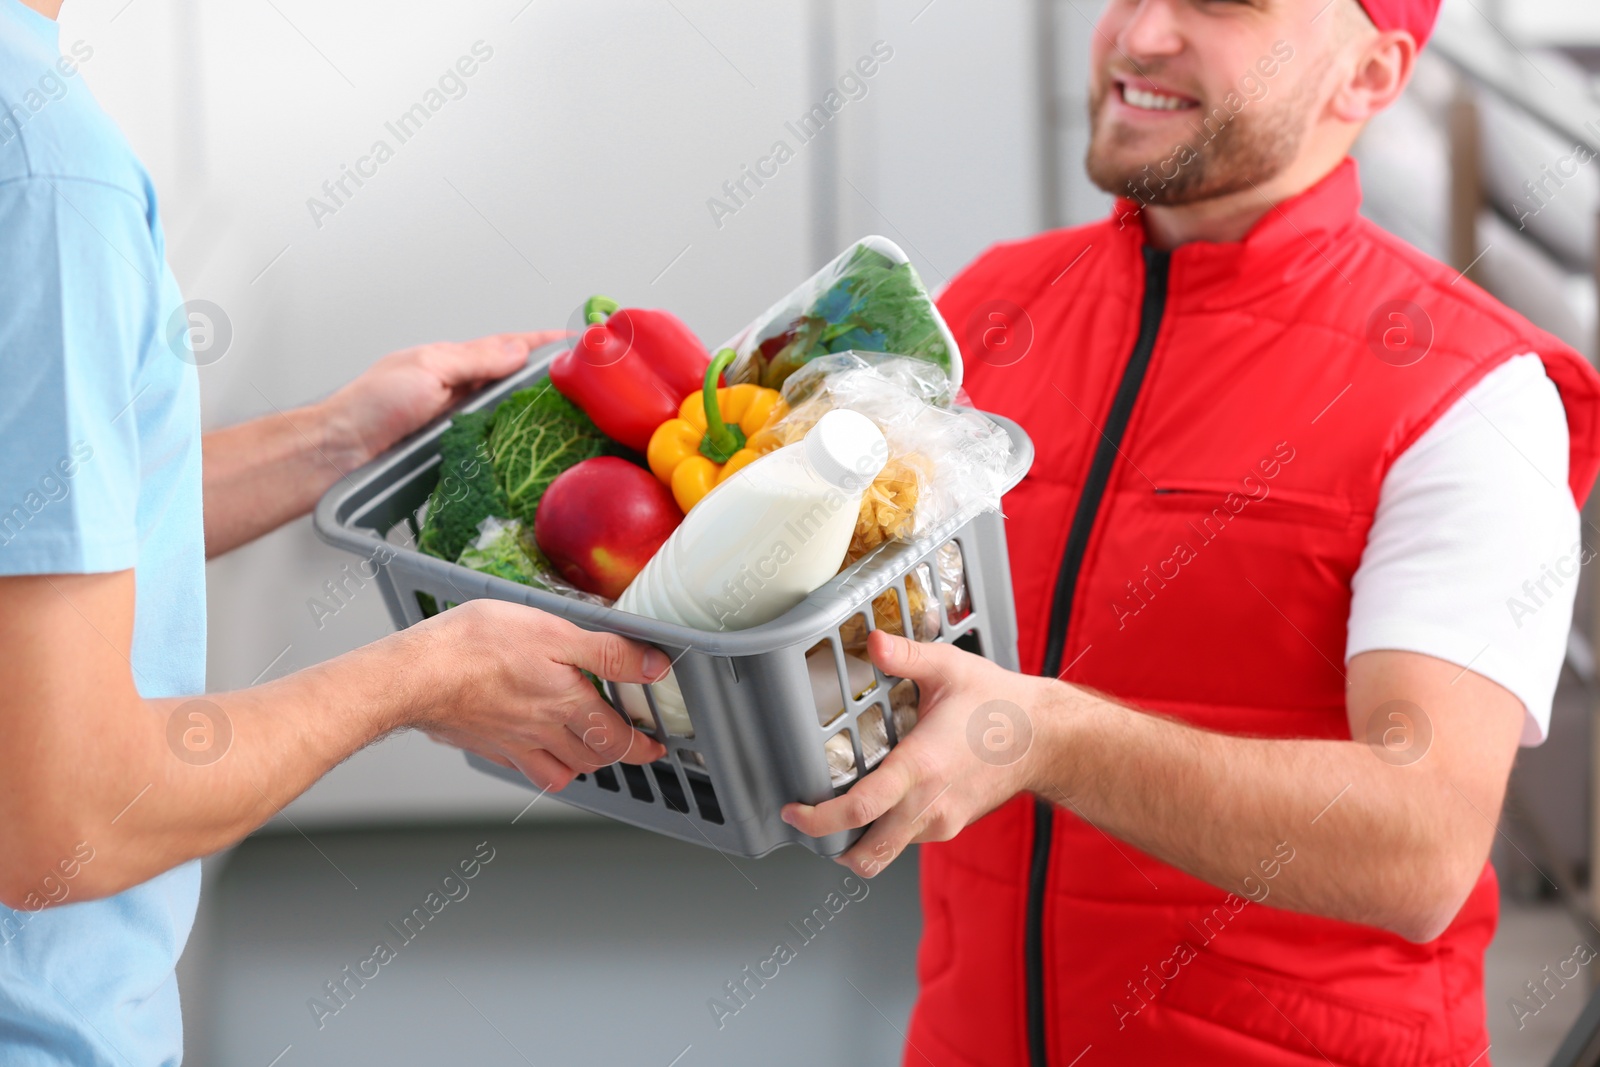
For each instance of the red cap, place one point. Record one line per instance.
(1417, 16)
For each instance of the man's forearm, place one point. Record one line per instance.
(177, 779)
(269, 471)
(1390, 835)
(1392, 846)
(88, 767)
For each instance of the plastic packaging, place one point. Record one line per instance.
(886, 613)
(830, 707)
(868, 299)
(758, 545)
(874, 736)
(504, 550)
(943, 462)
(887, 616)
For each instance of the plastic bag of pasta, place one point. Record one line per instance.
(944, 463)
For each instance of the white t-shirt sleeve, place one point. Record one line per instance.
(1474, 553)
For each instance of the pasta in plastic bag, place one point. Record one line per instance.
(944, 463)
(874, 736)
(886, 613)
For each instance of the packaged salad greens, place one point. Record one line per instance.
(869, 299)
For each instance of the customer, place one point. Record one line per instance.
(1302, 541)
(103, 805)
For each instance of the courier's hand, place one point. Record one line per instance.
(406, 390)
(975, 747)
(512, 690)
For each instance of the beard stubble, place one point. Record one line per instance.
(1225, 153)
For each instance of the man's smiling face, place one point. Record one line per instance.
(1195, 99)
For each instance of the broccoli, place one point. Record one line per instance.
(538, 433)
(467, 492)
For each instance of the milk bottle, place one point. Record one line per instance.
(758, 544)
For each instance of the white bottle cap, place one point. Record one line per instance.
(846, 449)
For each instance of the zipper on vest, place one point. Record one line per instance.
(1151, 311)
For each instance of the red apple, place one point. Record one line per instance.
(600, 522)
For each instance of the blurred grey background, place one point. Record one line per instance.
(580, 157)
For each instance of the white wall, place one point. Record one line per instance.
(580, 160)
(1572, 22)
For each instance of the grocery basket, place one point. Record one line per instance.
(757, 741)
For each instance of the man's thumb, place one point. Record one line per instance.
(617, 659)
(901, 658)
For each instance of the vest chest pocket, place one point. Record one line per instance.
(1213, 505)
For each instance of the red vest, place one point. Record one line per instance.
(1212, 428)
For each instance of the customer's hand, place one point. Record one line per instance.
(977, 744)
(406, 390)
(513, 691)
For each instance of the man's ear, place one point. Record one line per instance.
(1382, 69)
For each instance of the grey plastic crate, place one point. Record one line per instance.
(757, 741)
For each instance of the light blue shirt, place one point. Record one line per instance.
(100, 439)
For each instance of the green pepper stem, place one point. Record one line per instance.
(598, 309)
(721, 440)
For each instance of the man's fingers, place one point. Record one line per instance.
(871, 797)
(544, 770)
(488, 358)
(565, 746)
(615, 658)
(918, 817)
(610, 738)
(472, 362)
(538, 338)
(642, 749)
(880, 846)
(930, 665)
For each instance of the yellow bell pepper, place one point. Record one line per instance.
(711, 437)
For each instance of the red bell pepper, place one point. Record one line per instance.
(630, 369)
